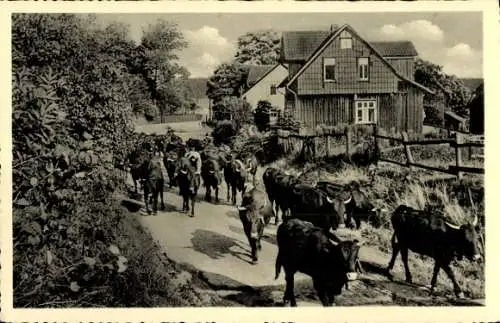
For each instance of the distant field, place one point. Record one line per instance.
(186, 130)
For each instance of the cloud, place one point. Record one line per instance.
(206, 50)
(430, 41)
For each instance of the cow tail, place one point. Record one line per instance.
(278, 266)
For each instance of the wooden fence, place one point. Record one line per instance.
(458, 143)
(174, 118)
(328, 145)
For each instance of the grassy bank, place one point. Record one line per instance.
(392, 186)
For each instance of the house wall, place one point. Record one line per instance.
(404, 65)
(396, 112)
(262, 89)
(381, 78)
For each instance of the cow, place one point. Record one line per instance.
(210, 173)
(284, 183)
(358, 206)
(255, 213)
(188, 184)
(170, 162)
(428, 233)
(269, 178)
(153, 181)
(235, 175)
(251, 166)
(196, 143)
(313, 205)
(304, 248)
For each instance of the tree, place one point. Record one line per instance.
(258, 48)
(228, 80)
(261, 115)
(155, 60)
(234, 109)
(455, 93)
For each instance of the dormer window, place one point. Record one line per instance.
(329, 69)
(345, 40)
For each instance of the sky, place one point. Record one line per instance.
(451, 39)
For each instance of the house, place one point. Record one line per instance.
(337, 77)
(197, 88)
(476, 111)
(262, 84)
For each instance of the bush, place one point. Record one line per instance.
(235, 109)
(261, 115)
(224, 132)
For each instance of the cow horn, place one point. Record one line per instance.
(333, 242)
(348, 200)
(474, 222)
(184, 171)
(456, 227)
(242, 208)
(211, 171)
(329, 200)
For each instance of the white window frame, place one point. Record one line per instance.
(363, 105)
(364, 62)
(329, 62)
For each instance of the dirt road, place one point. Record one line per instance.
(214, 246)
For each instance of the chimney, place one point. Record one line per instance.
(333, 28)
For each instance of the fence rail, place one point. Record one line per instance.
(460, 141)
(173, 118)
(327, 145)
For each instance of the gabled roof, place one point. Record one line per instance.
(299, 45)
(258, 72)
(197, 87)
(334, 35)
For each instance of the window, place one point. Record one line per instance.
(273, 89)
(345, 40)
(329, 69)
(363, 64)
(366, 111)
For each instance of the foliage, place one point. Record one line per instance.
(288, 122)
(228, 80)
(235, 109)
(258, 48)
(224, 132)
(72, 102)
(455, 93)
(261, 115)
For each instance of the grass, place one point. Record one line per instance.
(393, 186)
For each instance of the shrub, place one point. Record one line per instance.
(234, 109)
(261, 115)
(224, 131)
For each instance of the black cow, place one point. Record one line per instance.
(255, 213)
(235, 175)
(358, 206)
(428, 233)
(269, 178)
(210, 173)
(304, 248)
(152, 176)
(284, 192)
(170, 162)
(313, 205)
(188, 184)
(196, 143)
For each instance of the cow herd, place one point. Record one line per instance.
(311, 214)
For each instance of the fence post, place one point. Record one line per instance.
(458, 153)
(348, 142)
(409, 156)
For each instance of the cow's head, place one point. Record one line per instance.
(469, 239)
(339, 211)
(343, 257)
